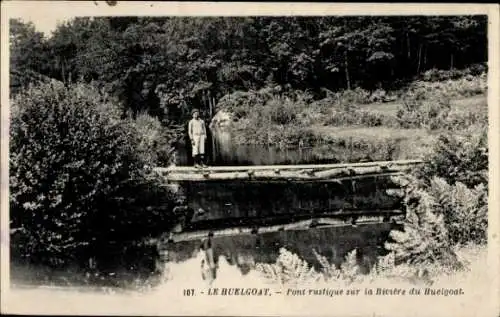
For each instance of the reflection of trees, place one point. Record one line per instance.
(244, 262)
(246, 200)
(245, 251)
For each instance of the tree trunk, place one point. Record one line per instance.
(419, 57)
(63, 74)
(346, 65)
(213, 106)
(425, 58)
(206, 100)
(210, 105)
(408, 45)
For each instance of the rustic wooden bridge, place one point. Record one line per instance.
(195, 224)
(312, 172)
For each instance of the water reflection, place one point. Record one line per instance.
(222, 151)
(263, 203)
(246, 250)
(219, 205)
(236, 204)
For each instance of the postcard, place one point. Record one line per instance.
(207, 158)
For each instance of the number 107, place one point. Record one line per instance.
(188, 292)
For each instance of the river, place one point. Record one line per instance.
(260, 205)
(257, 205)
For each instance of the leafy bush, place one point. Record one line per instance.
(433, 75)
(380, 95)
(360, 118)
(348, 272)
(279, 135)
(241, 104)
(357, 96)
(466, 86)
(439, 216)
(459, 158)
(77, 182)
(465, 210)
(446, 201)
(281, 111)
(290, 269)
(424, 239)
(156, 142)
(418, 113)
(459, 120)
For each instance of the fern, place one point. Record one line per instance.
(328, 270)
(348, 272)
(350, 268)
(469, 220)
(384, 265)
(288, 269)
(271, 272)
(424, 238)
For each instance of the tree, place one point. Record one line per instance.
(77, 181)
(28, 55)
(165, 66)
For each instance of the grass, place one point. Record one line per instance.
(378, 143)
(353, 125)
(459, 105)
(353, 133)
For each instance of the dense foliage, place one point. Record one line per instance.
(77, 183)
(167, 65)
(446, 202)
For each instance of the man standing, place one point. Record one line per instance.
(197, 134)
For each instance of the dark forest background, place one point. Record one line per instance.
(166, 66)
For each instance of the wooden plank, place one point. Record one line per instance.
(280, 168)
(286, 175)
(323, 222)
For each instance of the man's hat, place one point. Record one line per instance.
(194, 110)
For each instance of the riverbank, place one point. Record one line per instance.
(353, 126)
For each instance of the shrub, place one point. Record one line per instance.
(440, 216)
(418, 113)
(281, 111)
(241, 103)
(77, 182)
(348, 272)
(466, 86)
(156, 142)
(424, 239)
(380, 95)
(465, 210)
(459, 158)
(360, 118)
(357, 96)
(446, 201)
(434, 75)
(462, 119)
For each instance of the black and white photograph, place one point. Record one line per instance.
(162, 159)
